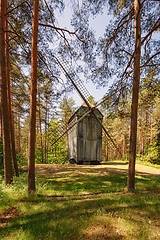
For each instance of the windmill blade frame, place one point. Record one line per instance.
(61, 63)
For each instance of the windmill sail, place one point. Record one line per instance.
(85, 95)
(74, 78)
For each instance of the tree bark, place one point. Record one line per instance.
(134, 107)
(4, 101)
(12, 135)
(32, 122)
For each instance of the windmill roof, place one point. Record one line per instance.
(85, 105)
(80, 110)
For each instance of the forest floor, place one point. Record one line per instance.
(82, 202)
(49, 169)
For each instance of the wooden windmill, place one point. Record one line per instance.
(85, 139)
(85, 126)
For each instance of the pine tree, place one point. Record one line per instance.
(32, 124)
(134, 106)
(4, 100)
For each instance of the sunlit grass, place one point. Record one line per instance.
(82, 205)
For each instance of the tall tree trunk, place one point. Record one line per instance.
(134, 107)
(12, 135)
(32, 120)
(4, 101)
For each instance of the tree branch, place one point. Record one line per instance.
(150, 59)
(42, 59)
(16, 7)
(62, 30)
(153, 29)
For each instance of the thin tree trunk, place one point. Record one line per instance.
(158, 141)
(41, 147)
(19, 136)
(16, 133)
(104, 152)
(151, 119)
(107, 153)
(36, 133)
(140, 134)
(40, 130)
(107, 149)
(4, 101)
(46, 135)
(129, 130)
(12, 135)
(123, 146)
(32, 123)
(146, 131)
(117, 153)
(47, 131)
(134, 107)
(1, 119)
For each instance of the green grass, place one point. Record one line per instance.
(83, 204)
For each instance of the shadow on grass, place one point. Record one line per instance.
(86, 219)
(82, 184)
(76, 206)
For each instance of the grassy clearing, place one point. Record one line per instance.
(81, 205)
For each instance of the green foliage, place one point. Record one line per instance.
(22, 160)
(57, 160)
(91, 99)
(38, 156)
(150, 154)
(67, 108)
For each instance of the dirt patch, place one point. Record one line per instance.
(8, 215)
(105, 168)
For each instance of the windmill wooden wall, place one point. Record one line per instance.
(85, 138)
